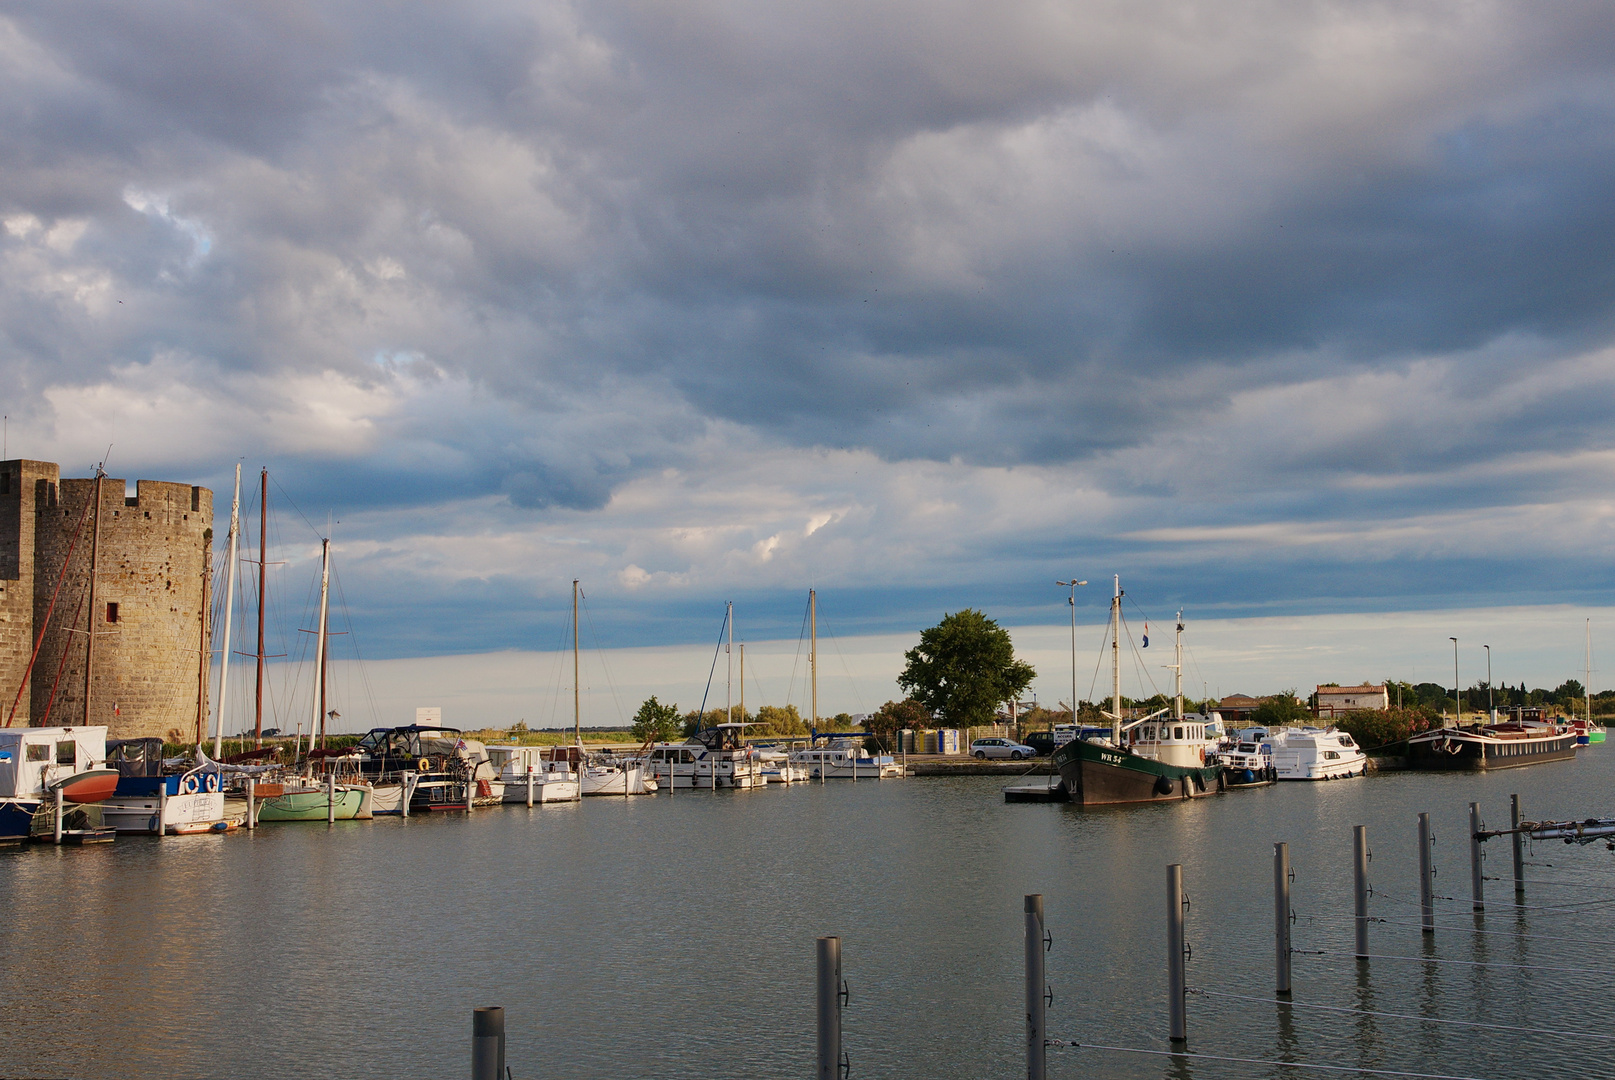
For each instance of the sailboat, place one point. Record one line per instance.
(841, 757)
(1588, 733)
(305, 799)
(1165, 761)
(596, 775)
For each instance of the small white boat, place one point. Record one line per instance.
(1311, 753)
(712, 758)
(844, 759)
(189, 802)
(1245, 761)
(605, 777)
(518, 768)
(779, 769)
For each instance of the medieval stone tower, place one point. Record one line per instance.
(148, 614)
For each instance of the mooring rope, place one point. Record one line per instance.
(1487, 963)
(1359, 1070)
(1401, 1016)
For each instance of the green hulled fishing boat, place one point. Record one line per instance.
(310, 804)
(1164, 760)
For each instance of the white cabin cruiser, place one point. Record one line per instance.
(712, 758)
(518, 768)
(1311, 753)
(845, 759)
(190, 801)
(37, 762)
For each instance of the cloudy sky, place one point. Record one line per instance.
(1276, 309)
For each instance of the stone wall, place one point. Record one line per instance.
(149, 616)
(24, 485)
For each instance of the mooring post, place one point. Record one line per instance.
(1359, 851)
(162, 807)
(404, 792)
(1036, 1034)
(252, 790)
(61, 805)
(529, 787)
(1519, 847)
(829, 949)
(1281, 916)
(488, 1043)
(330, 797)
(1477, 883)
(1176, 992)
(1427, 901)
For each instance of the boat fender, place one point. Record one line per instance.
(188, 785)
(1163, 786)
(1222, 781)
(211, 783)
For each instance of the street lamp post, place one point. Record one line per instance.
(1073, 583)
(1457, 692)
(1491, 698)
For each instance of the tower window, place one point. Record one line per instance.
(5, 482)
(112, 612)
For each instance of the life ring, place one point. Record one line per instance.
(423, 765)
(211, 783)
(188, 786)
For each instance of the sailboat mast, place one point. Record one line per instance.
(729, 663)
(318, 726)
(1177, 672)
(1116, 664)
(813, 653)
(95, 559)
(229, 610)
(203, 660)
(263, 533)
(1587, 687)
(577, 699)
(742, 680)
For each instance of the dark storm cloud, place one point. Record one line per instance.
(1276, 262)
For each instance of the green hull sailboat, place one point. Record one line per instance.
(312, 805)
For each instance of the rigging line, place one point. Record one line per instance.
(358, 658)
(1356, 1069)
(701, 716)
(588, 617)
(1402, 1016)
(1099, 659)
(801, 637)
(835, 643)
(292, 503)
(1485, 963)
(1138, 660)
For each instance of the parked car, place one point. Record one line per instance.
(1042, 743)
(1001, 748)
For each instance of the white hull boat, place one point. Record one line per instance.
(845, 761)
(1313, 753)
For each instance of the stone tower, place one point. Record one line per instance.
(149, 613)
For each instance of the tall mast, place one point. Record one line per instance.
(95, 557)
(742, 681)
(263, 533)
(813, 652)
(229, 609)
(318, 725)
(203, 660)
(1177, 671)
(729, 663)
(1587, 688)
(1116, 665)
(577, 700)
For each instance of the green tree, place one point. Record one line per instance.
(963, 668)
(1280, 710)
(655, 722)
(894, 716)
(780, 720)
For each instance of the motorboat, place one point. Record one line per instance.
(605, 776)
(778, 768)
(673, 765)
(1311, 753)
(36, 763)
(1245, 761)
(717, 758)
(523, 775)
(845, 759)
(187, 798)
(1491, 746)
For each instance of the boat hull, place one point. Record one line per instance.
(1097, 775)
(90, 786)
(312, 806)
(1449, 751)
(544, 791)
(202, 812)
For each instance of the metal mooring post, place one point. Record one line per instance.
(252, 791)
(1519, 847)
(1427, 901)
(829, 998)
(1036, 1033)
(162, 808)
(404, 792)
(1281, 916)
(61, 805)
(1359, 852)
(330, 797)
(1477, 883)
(488, 1043)
(1175, 989)
(529, 787)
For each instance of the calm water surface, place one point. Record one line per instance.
(674, 936)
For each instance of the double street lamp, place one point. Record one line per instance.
(1457, 692)
(1072, 584)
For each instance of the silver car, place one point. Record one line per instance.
(1001, 748)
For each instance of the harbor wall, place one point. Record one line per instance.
(149, 618)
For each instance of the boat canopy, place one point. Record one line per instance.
(135, 757)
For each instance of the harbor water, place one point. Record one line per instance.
(674, 937)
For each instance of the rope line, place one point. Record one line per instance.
(1488, 963)
(1355, 1069)
(1402, 1016)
